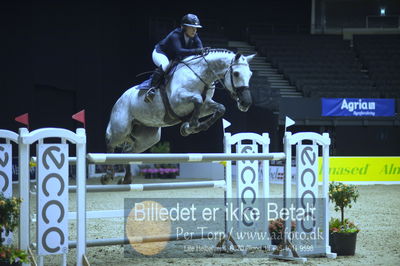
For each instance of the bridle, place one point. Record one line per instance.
(236, 90)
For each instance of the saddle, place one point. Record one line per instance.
(145, 85)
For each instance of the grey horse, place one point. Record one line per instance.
(186, 97)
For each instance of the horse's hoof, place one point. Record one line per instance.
(184, 129)
(105, 179)
(127, 181)
(124, 181)
(203, 127)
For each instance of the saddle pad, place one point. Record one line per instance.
(145, 85)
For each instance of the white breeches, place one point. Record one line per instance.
(160, 59)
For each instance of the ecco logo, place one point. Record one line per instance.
(249, 185)
(3, 164)
(6, 181)
(53, 161)
(307, 184)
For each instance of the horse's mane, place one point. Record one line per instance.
(210, 51)
(220, 50)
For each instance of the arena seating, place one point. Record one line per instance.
(262, 93)
(214, 35)
(380, 54)
(318, 65)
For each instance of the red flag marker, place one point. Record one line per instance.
(23, 119)
(80, 116)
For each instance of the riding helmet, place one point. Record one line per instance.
(191, 21)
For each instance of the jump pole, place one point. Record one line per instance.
(151, 186)
(137, 240)
(138, 158)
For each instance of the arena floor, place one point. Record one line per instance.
(377, 213)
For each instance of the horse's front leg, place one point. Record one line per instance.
(216, 110)
(191, 127)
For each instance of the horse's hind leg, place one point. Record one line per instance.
(142, 138)
(110, 172)
(118, 129)
(127, 148)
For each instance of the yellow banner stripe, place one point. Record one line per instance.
(358, 169)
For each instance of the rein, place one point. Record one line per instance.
(170, 115)
(206, 87)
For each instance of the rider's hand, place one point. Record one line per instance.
(202, 51)
(206, 50)
(198, 51)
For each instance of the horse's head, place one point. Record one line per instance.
(237, 79)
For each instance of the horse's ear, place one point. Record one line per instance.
(237, 56)
(250, 57)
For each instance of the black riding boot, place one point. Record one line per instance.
(155, 82)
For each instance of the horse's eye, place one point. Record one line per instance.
(236, 74)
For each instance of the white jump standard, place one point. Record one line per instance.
(53, 160)
(6, 156)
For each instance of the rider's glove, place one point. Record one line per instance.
(198, 51)
(206, 50)
(202, 51)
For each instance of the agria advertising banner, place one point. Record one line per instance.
(357, 107)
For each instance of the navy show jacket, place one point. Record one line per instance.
(174, 46)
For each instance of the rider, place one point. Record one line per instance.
(179, 43)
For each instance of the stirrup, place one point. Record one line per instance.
(150, 93)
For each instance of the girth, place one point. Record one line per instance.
(170, 115)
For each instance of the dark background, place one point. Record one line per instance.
(59, 57)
